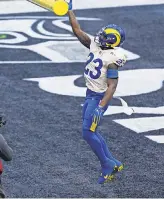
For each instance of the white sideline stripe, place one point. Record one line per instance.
(39, 62)
(26, 62)
(141, 125)
(24, 6)
(156, 138)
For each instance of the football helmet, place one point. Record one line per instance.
(110, 36)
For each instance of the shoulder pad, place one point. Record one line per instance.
(119, 59)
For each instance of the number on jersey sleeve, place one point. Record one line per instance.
(120, 61)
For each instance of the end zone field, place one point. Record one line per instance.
(42, 92)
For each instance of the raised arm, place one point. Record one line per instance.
(81, 35)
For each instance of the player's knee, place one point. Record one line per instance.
(101, 138)
(86, 134)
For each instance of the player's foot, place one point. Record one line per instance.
(119, 165)
(120, 168)
(108, 170)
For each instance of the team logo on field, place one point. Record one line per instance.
(48, 36)
(52, 38)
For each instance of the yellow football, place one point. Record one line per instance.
(60, 7)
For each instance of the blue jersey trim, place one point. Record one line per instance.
(112, 73)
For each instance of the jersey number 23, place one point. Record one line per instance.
(98, 68)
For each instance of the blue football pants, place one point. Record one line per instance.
(95, 140)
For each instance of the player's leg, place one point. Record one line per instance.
(89, 136)
(106, 149)
(5, 154)
(108, 153)
(92, 139)
(2, 194)
(5, 150)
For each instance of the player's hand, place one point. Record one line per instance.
(96, 118)
(69, 3)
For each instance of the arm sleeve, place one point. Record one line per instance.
(5, 151)
(112, 73)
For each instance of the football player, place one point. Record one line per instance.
(101, 77)
(5, 154)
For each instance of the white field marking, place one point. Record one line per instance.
(60, 23)
(25, 6)
(56, 85)
(135, 110)
(56, 56)
(40, 27)
(156, 138)
(126, 109)
(131, 82)
(141, 125)
(41, 49)
(24, 26)
(27, 62)
(25, 23)
(17, 38)
(51, 49)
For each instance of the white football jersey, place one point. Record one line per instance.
(95, 73)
